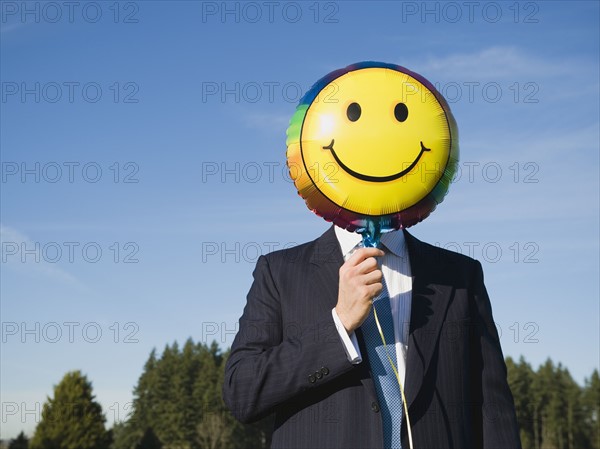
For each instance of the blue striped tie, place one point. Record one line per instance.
(386, 384)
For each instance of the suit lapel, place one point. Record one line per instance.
(326, 261)
(428, 308)
(428, 305)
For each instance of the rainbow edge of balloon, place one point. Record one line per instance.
(369, 226)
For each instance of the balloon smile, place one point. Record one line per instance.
(375, 178)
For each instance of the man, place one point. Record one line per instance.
(302, 349)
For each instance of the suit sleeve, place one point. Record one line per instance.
(499, 428)
(271, 363)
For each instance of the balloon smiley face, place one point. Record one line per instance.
(371, 141)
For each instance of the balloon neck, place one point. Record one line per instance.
(371, 234)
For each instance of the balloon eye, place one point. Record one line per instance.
(401, 112)
(353, 112)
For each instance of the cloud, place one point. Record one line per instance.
(267, 121)
(33, 262)
(535, 143)
(494, 63)
(7, 28)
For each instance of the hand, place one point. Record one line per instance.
(360, 282)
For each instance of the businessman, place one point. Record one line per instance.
(309, 351)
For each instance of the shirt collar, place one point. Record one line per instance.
(394, 241)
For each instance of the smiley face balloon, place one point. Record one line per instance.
(372, 145)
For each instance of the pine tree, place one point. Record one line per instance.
(167, 420)
(542, 387)
(557, 411)
(573, 414)
(144, 412)
(178, 404)
(125, 436)
(192, 367)
(144, 392)
(21, 442)
(520, 379)
(215, 428)
(591, 404)
(149, 441)
(72, 419)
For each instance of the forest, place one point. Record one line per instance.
(177, 404)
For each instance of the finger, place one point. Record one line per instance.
(367, 266)
(372, 278)
(362, 254)
(375, 289)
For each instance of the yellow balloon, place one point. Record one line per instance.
(372, 141)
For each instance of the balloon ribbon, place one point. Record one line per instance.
(371, 235)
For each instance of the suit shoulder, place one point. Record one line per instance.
(293, 253)
(322, 250)
(445, 256)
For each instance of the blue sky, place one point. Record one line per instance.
(143, 170)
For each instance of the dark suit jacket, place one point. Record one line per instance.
(287, 357)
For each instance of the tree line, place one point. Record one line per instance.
(177, 404)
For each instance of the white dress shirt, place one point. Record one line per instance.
(395, 267)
